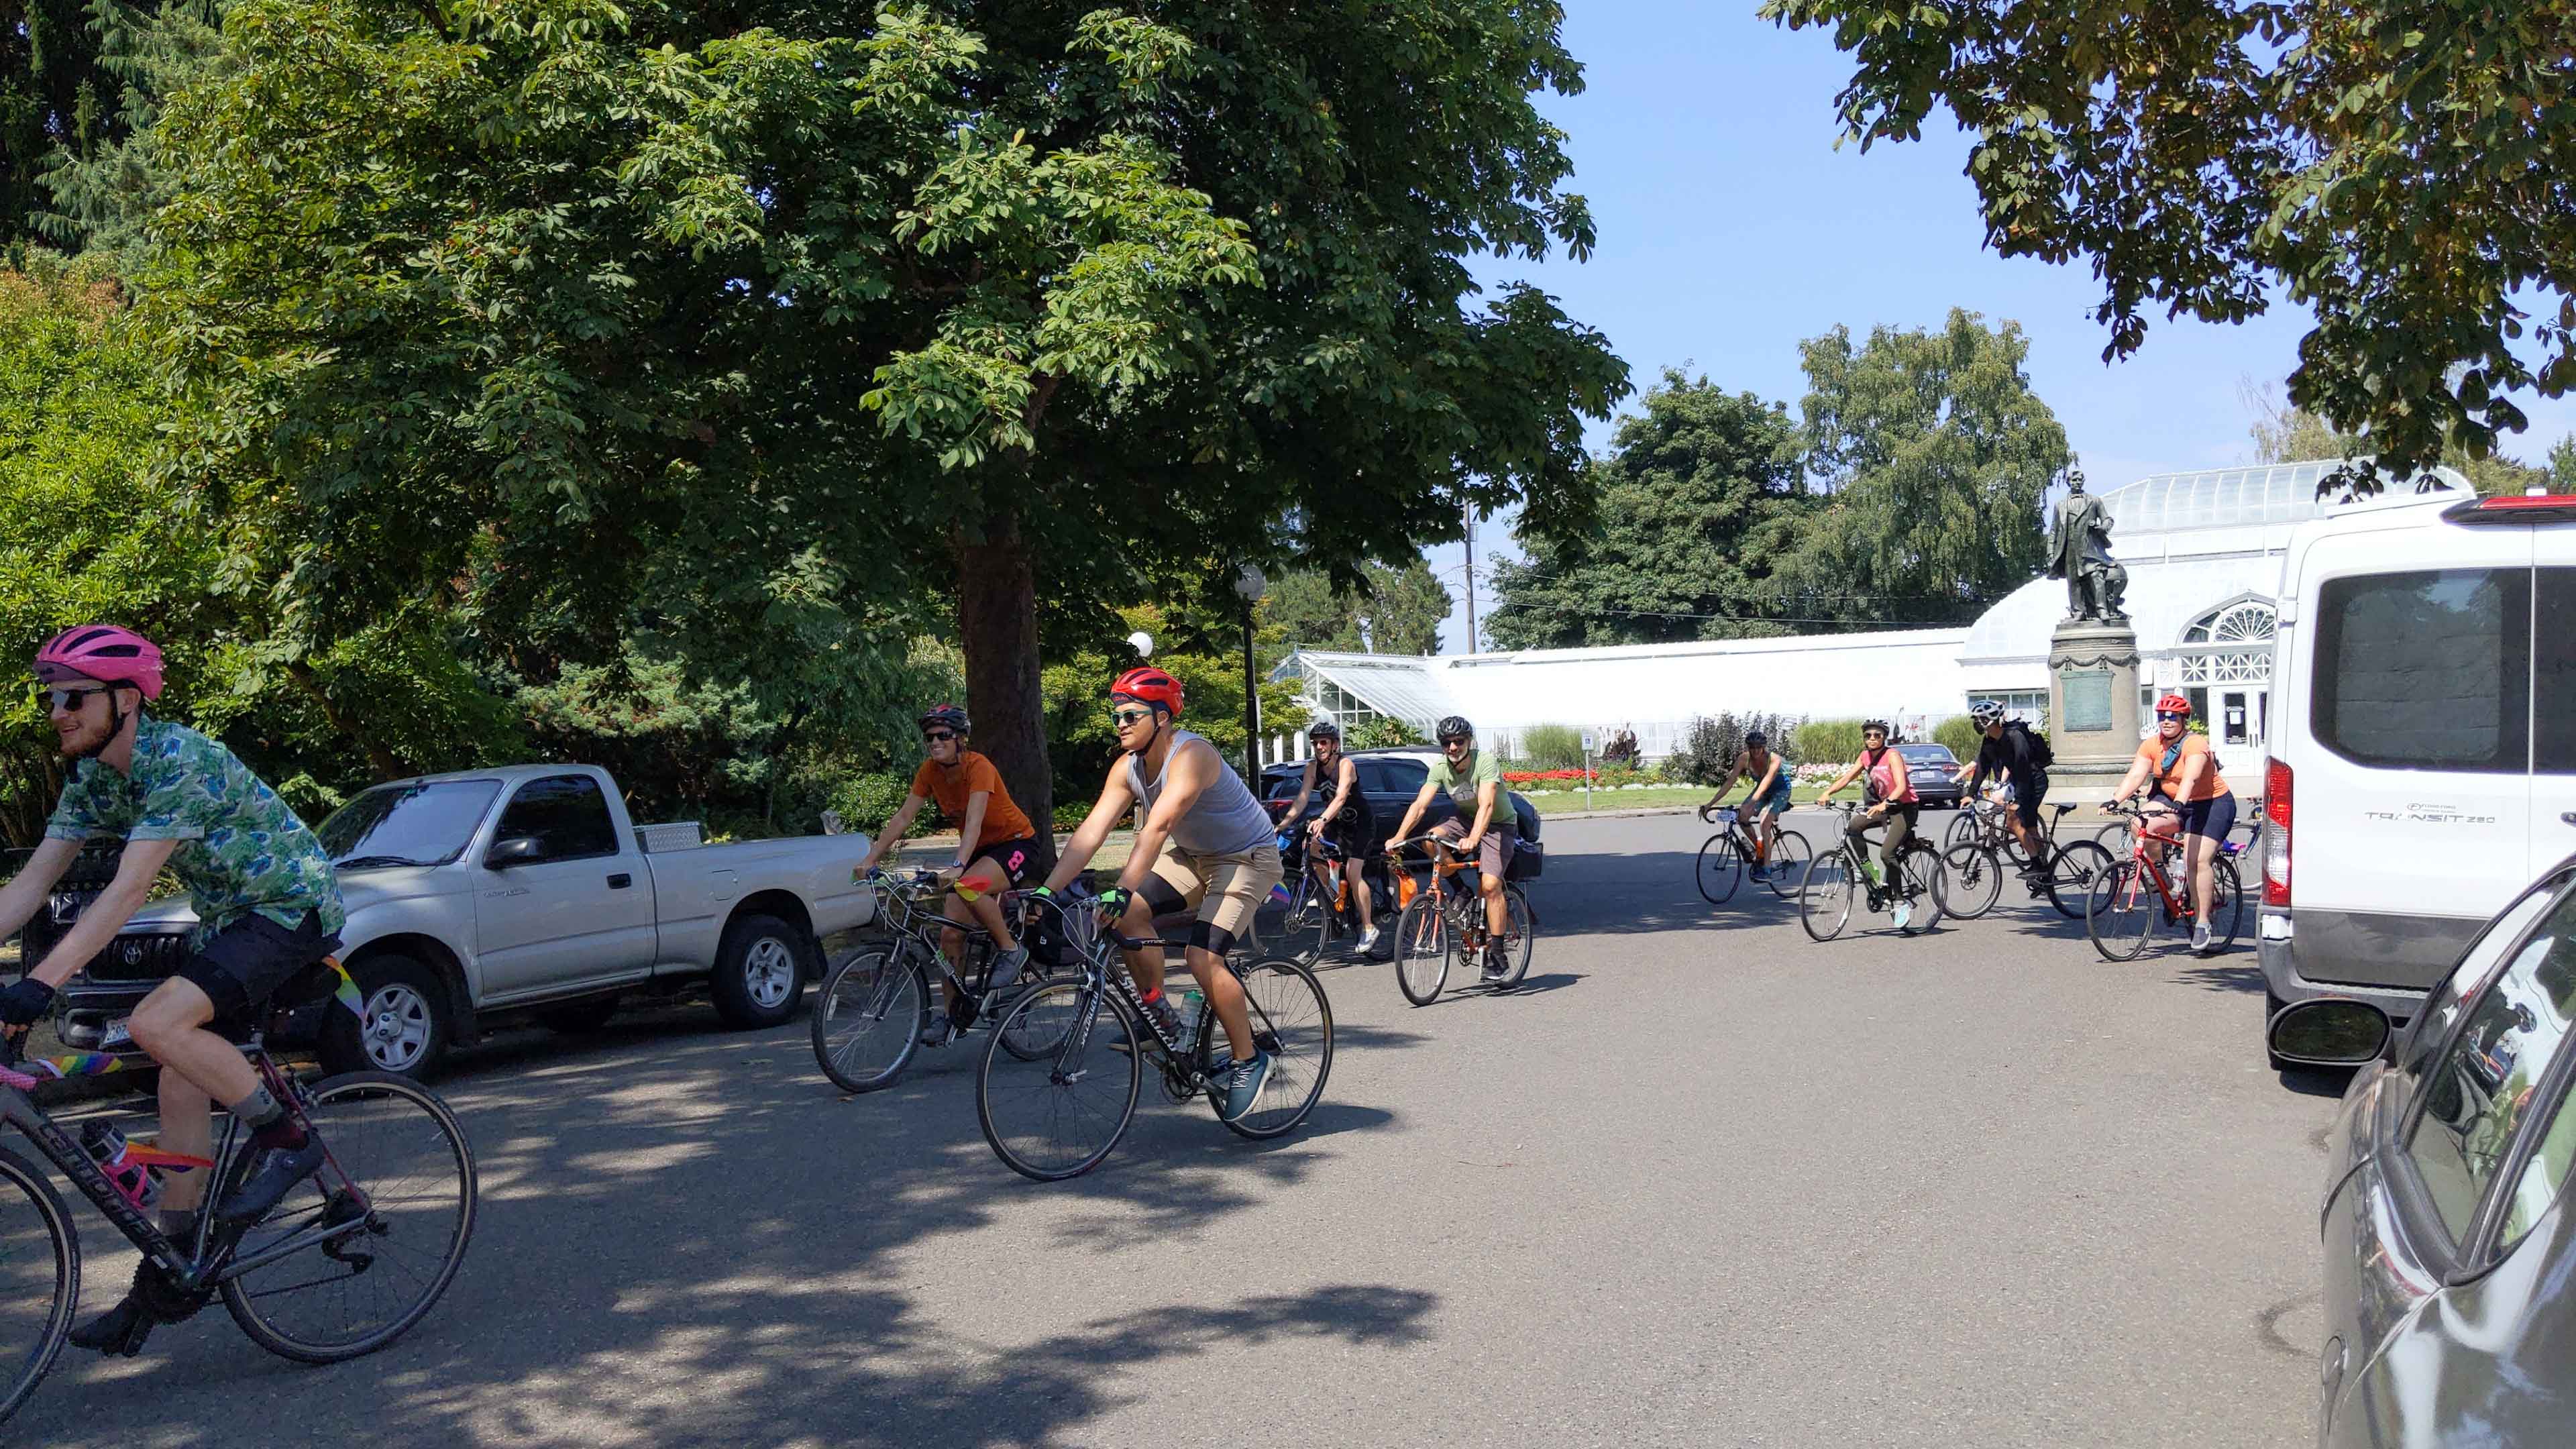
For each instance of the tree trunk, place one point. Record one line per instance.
(997, 621)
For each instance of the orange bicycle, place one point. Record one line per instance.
(2128, 901)
(1440, 925)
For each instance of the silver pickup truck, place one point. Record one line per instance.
(526, 890)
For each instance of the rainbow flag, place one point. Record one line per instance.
(346, 993)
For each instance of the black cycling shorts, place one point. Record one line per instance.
(248, 960)
(2028, 791)
(1017, 858)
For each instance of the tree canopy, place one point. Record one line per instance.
(2402, 171)
(1391, 611)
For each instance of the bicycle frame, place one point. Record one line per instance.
(2146, 852)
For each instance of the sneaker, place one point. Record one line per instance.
(1904, 914)
(1367, 944)
(274, 1173)
(1761, 871)
(939, 1031)
(1498, 968)
(1240, 1084)
(1005, 970)
(2200, 938)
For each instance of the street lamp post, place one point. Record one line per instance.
(1249, 585)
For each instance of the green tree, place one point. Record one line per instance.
(1700, 499)
(822, 314)
(2286, 434)
(2562, 465)
(1394, 611)
(106, 179)
(1934, 453)
(2401, 171)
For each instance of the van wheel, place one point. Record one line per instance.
(401, 1027)
(761, 970)
(578, 1018)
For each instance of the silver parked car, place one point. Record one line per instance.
(2450, 1247)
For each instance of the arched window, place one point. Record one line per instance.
(2231, 644)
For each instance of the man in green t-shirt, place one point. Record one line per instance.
(1474, 781)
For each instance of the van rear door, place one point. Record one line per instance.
(2553, 697)
(2414, 808)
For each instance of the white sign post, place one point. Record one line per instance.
(1589, 743)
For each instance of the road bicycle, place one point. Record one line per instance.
(2127, 902)
(1722, 857)
(1319, 910)
(346, 1263)
(1978, 862)
(1440, 926)
(1059, 1112)
(1835, 881)
(875, 1001)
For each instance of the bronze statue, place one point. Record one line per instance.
(2079, 551)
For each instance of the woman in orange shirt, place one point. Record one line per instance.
(2186, 779)
(994, 841)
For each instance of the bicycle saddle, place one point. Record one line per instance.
(2061, 808)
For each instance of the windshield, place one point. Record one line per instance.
(407, 824)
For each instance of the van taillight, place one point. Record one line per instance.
(2276, 833)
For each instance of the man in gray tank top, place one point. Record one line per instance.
(1207, 844)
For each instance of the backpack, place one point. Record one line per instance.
(2041, 756)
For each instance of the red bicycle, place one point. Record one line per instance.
(2129, 900)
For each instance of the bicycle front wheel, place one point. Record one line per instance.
(1963, 829)
(1825, 891)
(39, 1278)
(867, 1021)
(1305, 921)
(2120, 911)
(1975, 878)
(1059, 1115)
(1721, 867)
(399, 1190)
(2071, 874)
(1292, 1020)
(1422, 949)
(1788, 863)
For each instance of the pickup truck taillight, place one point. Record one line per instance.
(2276, 833)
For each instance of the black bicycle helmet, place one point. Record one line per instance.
(1755, 739)
(1323, 729)
(951, 715)
(1454, 727)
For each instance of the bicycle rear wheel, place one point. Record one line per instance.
(1422, 949)
(1825, 891)
(1925, 884)
(2071, 873)
(2120, 911)
(39, 1278)
(1292, 1020)
(1975, 878)
(1520, 928)
(1059, 1115)
(1787, 864)
(867, 1019)
(400, 1182)
(2226, 904)
(1721, 868)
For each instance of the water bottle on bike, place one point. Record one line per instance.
(107, 1147)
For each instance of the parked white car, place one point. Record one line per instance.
(2422, 737)
(527, 890)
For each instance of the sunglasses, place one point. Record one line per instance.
(1125, 717)
(2172, 714)
(68, 701)
(1452, 741)
(938, 736)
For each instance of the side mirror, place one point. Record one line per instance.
(517, 850)
(2329, 1032)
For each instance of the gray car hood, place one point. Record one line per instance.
(359, 890)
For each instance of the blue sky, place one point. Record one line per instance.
(1731, 229)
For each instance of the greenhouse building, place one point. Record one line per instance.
(2203, 551)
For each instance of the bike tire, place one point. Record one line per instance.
(1422, 950)
(2071, 873)
(1962, 829)
(400, 1145)
(1073, 1129)
(1788, 864)
(1927, 886)
(2120, 910)
(2226, 904)
(39, 1277)
(1975, 878)
(1720, 869)
(1521, 925)
(1292, 1019)
(866, 1022)
(1825, 892)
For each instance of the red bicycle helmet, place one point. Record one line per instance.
(2173, 702)
(1148, 685)
(103, 652)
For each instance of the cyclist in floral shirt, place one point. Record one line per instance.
(267, 903)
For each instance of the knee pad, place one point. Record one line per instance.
(1212, 938)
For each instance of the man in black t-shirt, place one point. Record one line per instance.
(2009, 751)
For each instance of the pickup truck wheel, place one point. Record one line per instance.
(402, 1027)
(760, 971)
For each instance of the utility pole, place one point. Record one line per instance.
(1471, 578)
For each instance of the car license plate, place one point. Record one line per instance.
(119, 1036)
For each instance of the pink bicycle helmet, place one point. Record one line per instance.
(102, 652)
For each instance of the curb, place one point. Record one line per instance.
(1544, 817)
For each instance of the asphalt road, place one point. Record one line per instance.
(1700, 1182)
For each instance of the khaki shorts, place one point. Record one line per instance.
(1225, 889)
(1493, 853)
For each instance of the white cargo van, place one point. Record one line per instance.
(2422, 737)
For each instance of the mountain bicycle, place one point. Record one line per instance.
(875, 1002)
(345, 1264)
(1836, 880)
(1439, 926)
(1059, 1113)
(1318, 911)
(1978, 863)
(2121, 910)
(1722, 857)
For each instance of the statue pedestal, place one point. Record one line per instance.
(2092, 708)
